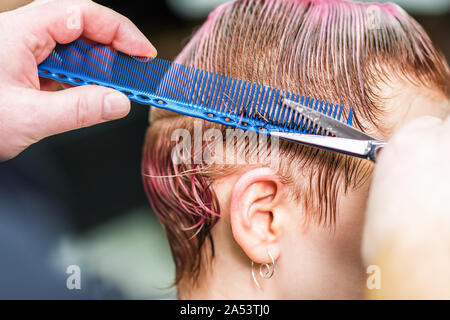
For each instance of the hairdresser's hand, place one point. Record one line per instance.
(29, 112)
(410, 190)
(407, 231)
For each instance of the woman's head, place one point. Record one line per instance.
(308, 211)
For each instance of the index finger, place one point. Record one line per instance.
(64, 21)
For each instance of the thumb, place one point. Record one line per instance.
(77, 108)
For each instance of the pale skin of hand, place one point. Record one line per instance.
(30, 108)
(407, 229)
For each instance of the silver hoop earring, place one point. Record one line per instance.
(269, 271)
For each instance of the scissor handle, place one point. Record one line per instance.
(375, 149)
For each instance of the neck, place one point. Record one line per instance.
(225, 280)
(326, 271)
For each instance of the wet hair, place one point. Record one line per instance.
(339, 51)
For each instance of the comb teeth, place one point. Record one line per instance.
(185, 89)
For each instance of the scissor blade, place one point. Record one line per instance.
(333, 126)
(357, 148)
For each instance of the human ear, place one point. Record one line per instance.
(258, 214)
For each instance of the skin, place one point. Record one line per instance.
(311, 261)
(258, 215)
(29, 110)
(408, 237)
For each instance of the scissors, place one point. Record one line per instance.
(338, 136)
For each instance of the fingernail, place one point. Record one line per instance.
(116, 105)
(153, 51)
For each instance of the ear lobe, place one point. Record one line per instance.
(257, 214)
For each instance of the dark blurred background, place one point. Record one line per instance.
(77, 198)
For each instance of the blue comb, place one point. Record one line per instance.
(186, 90)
